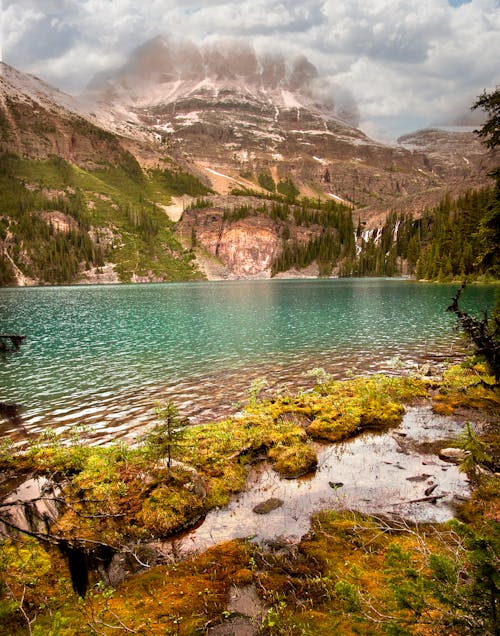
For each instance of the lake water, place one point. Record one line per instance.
(103, 355)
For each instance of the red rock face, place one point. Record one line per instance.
(246, 247)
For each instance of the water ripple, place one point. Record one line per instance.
(91, 349)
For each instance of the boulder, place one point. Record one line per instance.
(453, 455)
(268, 506)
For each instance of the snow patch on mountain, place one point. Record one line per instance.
(164, 71)
(23, 87)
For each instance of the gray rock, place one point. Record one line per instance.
(246, 602)
(268, 506)
(235, 627)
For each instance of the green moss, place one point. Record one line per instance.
(352, 574)
(293, 461)
(170, 508)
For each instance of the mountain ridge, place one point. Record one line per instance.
(211, 107)
(223, 135)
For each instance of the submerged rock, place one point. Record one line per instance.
(246, 613)
(421, 477)
(335, 484)
(268, 506)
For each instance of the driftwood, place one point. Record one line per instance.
(431, 498)
(430, 490)
(484, 334)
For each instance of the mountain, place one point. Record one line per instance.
(75, 205)
(232, 115)
(259, 156)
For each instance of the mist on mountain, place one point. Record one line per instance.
(163, 68)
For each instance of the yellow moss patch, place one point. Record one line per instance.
(383, 415)
(243, 577)
(466, 387)
(337, 428)
(168, 510)
(441, 407)
(294, 461)
(337, 410)
(219, 489)
(129, 503)
(221, 451)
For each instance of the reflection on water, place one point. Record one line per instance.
(102, 356)
(380, 474)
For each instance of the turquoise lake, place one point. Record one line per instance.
(102, 355)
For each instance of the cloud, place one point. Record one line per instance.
(405, 63)
(386, 30)
(182, 64)
(16, 24)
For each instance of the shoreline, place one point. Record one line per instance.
(283, 276)
(219, 462)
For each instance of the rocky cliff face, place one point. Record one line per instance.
(37, 120)
(75, 205)
(245, 247)
(450, 153)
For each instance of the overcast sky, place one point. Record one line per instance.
(407, 64)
